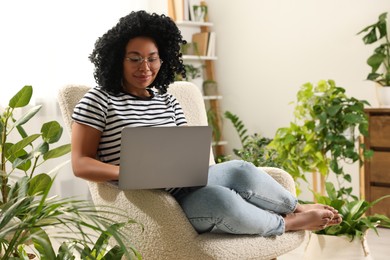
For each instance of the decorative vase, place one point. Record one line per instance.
(383, 95)
(336, 247)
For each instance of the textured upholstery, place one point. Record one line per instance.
(167, 232)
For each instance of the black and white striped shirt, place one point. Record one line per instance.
(109, 113)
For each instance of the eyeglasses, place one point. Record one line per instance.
(153, 63)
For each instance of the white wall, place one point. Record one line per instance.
(46, 44)
(268, 48)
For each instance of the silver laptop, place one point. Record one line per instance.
(164, 157)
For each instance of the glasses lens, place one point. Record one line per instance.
(152, 62)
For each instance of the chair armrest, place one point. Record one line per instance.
(281, 176)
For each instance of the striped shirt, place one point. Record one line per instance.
(109, 113)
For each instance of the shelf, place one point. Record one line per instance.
(193, 24)
(219, 143)
(212, 97)
(195, 57)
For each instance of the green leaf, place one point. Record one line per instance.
(330, 190)
(65, 252)
(22, 143)
(42, 148)
(22, 98)
(21, 131)
(22, 164)
(25, 118)
(39, 184)
(51, 131)
(43, 244)
(116, 253)
(357, 209)
(375, 61)
(370, 37)
(352, 118)
(57, 152)
(332, 111)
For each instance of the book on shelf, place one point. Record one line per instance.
(201, 40)
(211, 45)
(205, 43)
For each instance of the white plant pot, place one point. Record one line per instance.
(383, 95)
(336, 247)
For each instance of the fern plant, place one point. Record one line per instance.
(254, 147)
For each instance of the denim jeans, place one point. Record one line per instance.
(239, 199)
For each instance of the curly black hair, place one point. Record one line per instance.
(109, 51)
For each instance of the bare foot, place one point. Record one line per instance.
(337, 218)
(315, 219)
(306, 207)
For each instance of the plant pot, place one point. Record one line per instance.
(383, 95)
(336, 247)
(210, 88)
(190, 48)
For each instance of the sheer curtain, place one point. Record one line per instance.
(46, 44)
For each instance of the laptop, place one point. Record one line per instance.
(164, 157)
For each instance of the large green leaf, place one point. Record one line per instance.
(22, 98)
(57, 152)
(51, 131)
(39, 184)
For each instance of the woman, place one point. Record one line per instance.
(135, 62)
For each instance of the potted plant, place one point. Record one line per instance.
(210, 88)
(320, 140)
(379, 61)
(322, 137)
(29, 218)
(348, 239)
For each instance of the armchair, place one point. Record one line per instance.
(167, 232)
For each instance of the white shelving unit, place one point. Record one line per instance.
(188, 28)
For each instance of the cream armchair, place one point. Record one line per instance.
(167, 232)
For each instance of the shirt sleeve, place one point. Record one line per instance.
(180, 118)
(92, 109)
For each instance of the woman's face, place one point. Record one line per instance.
(141, 65)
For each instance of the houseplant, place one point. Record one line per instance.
(321, 139)
(323, 135)
(379, 61)
(254, 148)
(348, 239)
(29, 219)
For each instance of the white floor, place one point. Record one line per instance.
(379, 246)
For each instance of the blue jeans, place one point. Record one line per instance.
(239, 199)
